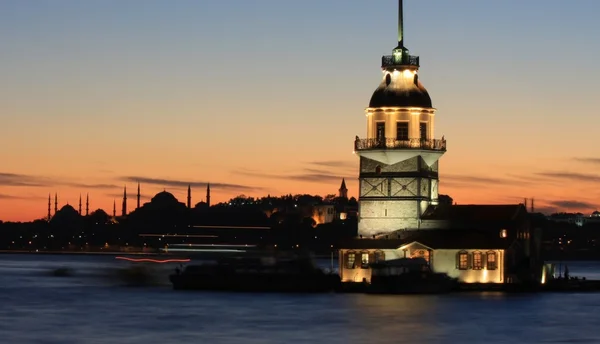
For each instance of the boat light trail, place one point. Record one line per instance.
(179, 235)
(231, 227)
(149, 260)
(200, 250)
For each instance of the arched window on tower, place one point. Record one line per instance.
(378, 169)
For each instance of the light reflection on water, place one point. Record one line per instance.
(91, 308)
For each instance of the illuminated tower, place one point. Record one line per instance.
(189, 197)
(343, 190)
(87, 204)
(80, 204)
(399, 157)
(139, 196)
(124, 208)
(49, 208)
(208, 194)
(55, 203)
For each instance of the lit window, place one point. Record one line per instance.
(423, 131)
(350, 258)
(503, 233)
(477, 261)
(463, 260)
(401, 131)
(492, 263)
(364, 261)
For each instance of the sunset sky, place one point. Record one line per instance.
(266, 96)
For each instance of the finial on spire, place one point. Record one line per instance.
(400, 26)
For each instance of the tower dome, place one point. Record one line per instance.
(400, 88)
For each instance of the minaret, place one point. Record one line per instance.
(208, 194)
(139, 196)
(189, 197)
(49, 208)
(124, 209)
(114, 208)
(80, 204)
(55, 203)
(343, 190)
(399, 156)
(87, 204)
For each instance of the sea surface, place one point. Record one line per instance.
(95, 306)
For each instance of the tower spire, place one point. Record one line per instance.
(208, 194)
(124, 209)
(87, 204)
(49, 208)
(114, 208)
(139, 195)
(400, 26)
(343, 189)
(189, 197)
(55, 203)
(80, 204)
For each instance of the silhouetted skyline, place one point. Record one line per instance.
(266, 97)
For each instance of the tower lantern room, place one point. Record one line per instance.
(399, 156)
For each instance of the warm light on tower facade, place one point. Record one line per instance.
(399, 157)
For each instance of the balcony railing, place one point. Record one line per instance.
(372, 144)
(399, 60)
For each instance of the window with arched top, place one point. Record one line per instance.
(462, 260)
(503, 233)
(492, 261)
(378, 169)
(477, 260)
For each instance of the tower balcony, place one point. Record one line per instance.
(417, 144)
(388, 61)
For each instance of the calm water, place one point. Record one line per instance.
(93, 306)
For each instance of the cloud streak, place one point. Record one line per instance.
(92, 186)
(184, 184)
(579, 177)
(335, 164)
(571, 204)
(4, 196)
(15, 179)
(465, 179)
(310, 175)
(595, 161)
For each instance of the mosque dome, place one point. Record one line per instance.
(164, 197)
(400, 89)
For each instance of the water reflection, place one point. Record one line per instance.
(37, 307)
